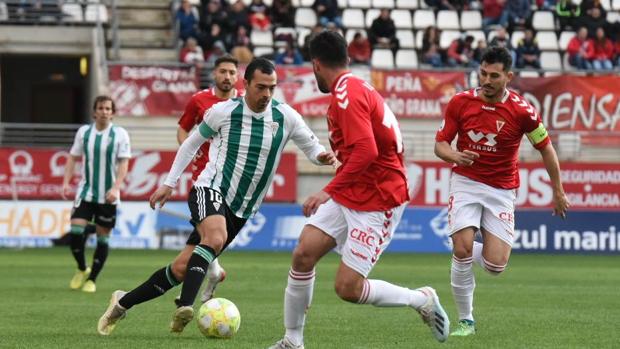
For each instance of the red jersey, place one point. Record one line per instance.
(195, 109)
(494, 131)
(365, 136)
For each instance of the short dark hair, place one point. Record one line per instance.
(497, 54)
(262, 64)
(330, 48)
(101, 99)
(226, 59)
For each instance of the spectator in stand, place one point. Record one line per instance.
(382, 33)
(290, 55)
(214, 14)
(528, 53)
(327, 11)
(593, 20)
(453, 5)
(242, 46)
(259, 15)
(359, 49)
(187, 19)
(431, 53)
(305, 49)
(501, 39)
(481, 48)
(578, 50)
(238, 15)
(600, 51)
(567, 13)
(546, 5)
(588, 5)
(517, 12)
(461, 53)
(283, 13)
(192, 53)
(493, 14)
(214, 35)
(218, 50)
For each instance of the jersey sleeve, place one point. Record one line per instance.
(302, 136)
(76, 148)
(124, 145)
(214, 118)
(449, 126)
(534, 128)
(188, 119)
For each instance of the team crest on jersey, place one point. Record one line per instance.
(499, 124)
(274, 128)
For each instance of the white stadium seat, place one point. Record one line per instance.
(360, 3)
(606, 4)
(547, 40)
(96, 12)
(301, 35)
(261, 37)
(448, 20)
(402, 19)
(261, 51)
(4, 12)
(383, 4)
(351, 33)
(471, 20)
(305, 17)
(407, 4)
(406, 59)
(423, 19)
(543, 20)
(550, 60)
(73, 12)
(352, 18)
(447, 36)
(405, 38)
(371, 15)
(529, 74)
(613, 16)
(477, 34)
(382, 59)
(419, 36)
(517, 35)
(565, 38)
(615, 5)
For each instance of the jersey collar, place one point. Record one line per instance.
(504, 96)
(339, 79)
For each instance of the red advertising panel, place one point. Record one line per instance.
(151, 90)
(578, 103)
(37, 174)
(588, 186)
(418, 94)
(297, 87)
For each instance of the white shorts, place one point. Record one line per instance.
(360, 236)
(475, 204)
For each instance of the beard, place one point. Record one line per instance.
(321, 83)
(224, 86)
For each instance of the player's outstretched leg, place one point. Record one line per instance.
(182, 316)
(77, 241)
(113, 314)
(215, 275)
(434, 315)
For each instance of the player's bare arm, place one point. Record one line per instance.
(445, 152)
(121, 172)
(560, 201)
(69, 168)
(181, 135)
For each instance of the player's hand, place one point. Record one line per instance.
(560, 204)
(313, 202)
(112, 195)
(160, 196)
(465, 158)
(66, 191)
(327, 158)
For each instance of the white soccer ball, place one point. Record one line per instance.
(219, 318)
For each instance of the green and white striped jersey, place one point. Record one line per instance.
(100, 151)
(245, 150)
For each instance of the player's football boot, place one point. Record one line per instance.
(182, 316)
(89, 287)
(112, 315)
(464, 328)
(78, 279)
(214, 277)
(434, 315)
(285, 343)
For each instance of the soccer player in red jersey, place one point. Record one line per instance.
(490, 122)
(225, 76)
(357, 212)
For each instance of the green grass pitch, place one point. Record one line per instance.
(542, 301)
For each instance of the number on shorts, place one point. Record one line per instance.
(215, 196)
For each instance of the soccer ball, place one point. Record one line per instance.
(219, 318)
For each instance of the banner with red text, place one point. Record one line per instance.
(575, 103)
(298, 88)
(37, 174)
(588, 186)
(141, 90)
(418, 94)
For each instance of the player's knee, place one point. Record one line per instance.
(348, 290)
(461, 251)
(303, 259)
(215, 239)
(494, 266)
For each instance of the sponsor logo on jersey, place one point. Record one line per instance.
(500, 124)
(488, 107)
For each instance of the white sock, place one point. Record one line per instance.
(477, 253)
(214, 270)
(463, 284)
(384, 294)
(297, 299)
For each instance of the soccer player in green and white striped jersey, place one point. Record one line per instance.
(105, 151)
(249, 135)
